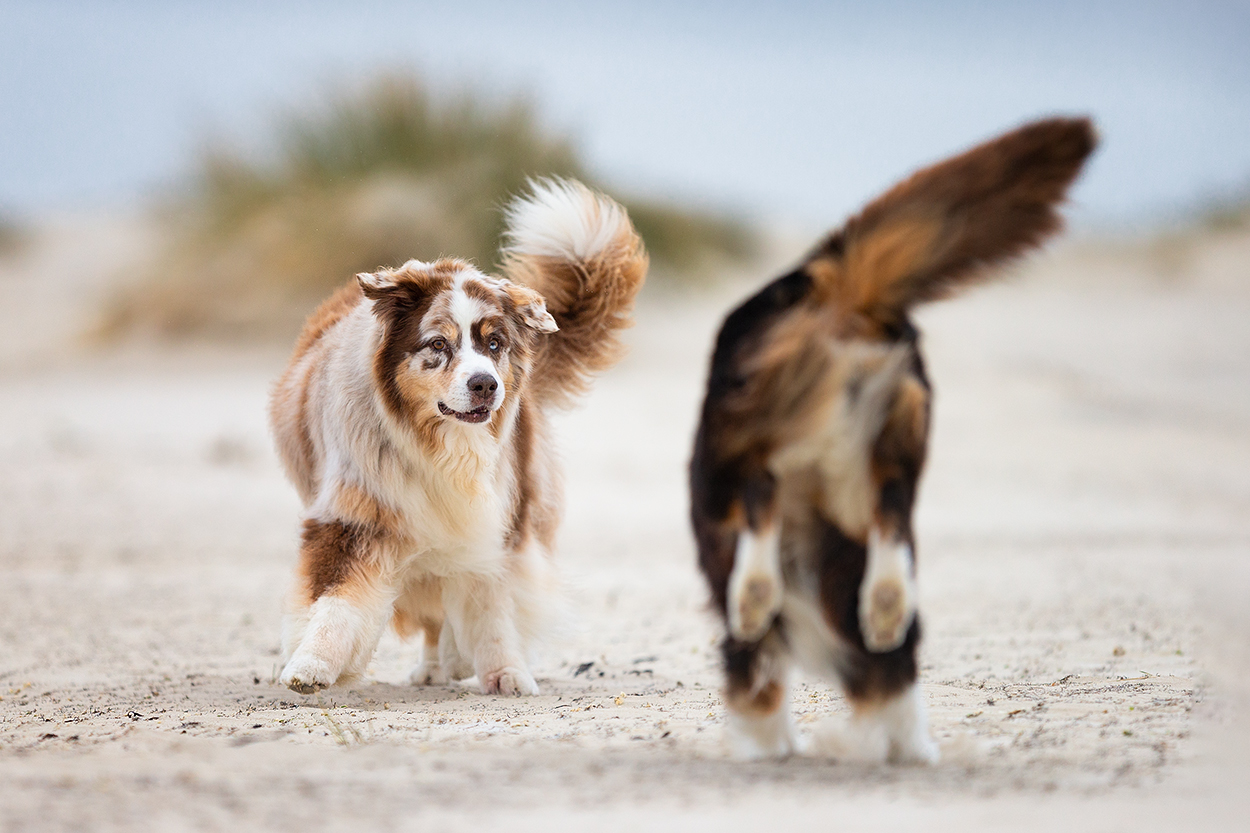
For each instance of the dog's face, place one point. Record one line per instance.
(456, 343)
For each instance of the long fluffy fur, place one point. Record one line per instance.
(938, 230)
(814, 433)
(580, 252)
(424, 506)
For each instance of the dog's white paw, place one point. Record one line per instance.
(429, 672)
(917, 749)
(862, 742)
(762, 737)
(307, 674)
(887, 607)
(754, 600)
(908, 727)
(508, 680)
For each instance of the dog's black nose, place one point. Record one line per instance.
(482, 386)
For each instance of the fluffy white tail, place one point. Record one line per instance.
(579, 250)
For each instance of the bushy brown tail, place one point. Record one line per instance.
(579, 250)
(935, 232)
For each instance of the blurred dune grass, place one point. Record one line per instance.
(15, 236)
(374, 176)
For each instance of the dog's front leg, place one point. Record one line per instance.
(482, 614)
(339, 605)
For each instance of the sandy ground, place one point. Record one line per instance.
(1083, 535)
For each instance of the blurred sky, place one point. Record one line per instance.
(786, 110)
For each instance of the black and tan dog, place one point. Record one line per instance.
(814, 431)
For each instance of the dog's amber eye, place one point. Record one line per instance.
(494, 345)
(439, 344)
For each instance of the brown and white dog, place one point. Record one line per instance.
(814, 432)
(412, 419)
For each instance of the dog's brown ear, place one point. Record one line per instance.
(531, 308)
(398, 292)
(938, 230)
(377, 286)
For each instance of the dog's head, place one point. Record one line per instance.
(456, 343)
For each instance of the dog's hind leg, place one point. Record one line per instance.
(754, 590)
(430, 670)
(419, 607)
(481, 612)
(894, 728)
(758, 719)
(754, 594)
(887, 594)
(454, 665)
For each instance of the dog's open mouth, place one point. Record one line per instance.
(480, 414)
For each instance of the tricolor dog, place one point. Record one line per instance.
(413, 421)
(814, 430)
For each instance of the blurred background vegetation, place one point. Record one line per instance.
(14, 236)
(371, 177)
(1230, 212)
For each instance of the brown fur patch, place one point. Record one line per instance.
(330, 553)
(761, 703)
(354, 505)
(898, 457)
(419, 607)
(522, 448)
(480, 291)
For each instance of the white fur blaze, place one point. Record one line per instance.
(887, 595)
(755, 584)
(561, 218)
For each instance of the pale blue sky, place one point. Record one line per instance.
(787, 110)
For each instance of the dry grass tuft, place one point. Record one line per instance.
(373, 177)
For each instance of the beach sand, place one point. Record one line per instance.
(1083, 539)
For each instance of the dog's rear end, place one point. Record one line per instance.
(814, 432)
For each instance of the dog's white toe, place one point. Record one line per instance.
(514, 681)
(307, 674)
(919, 750)
(428, 673)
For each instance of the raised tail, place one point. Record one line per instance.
(578, 250)
(939, 229)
